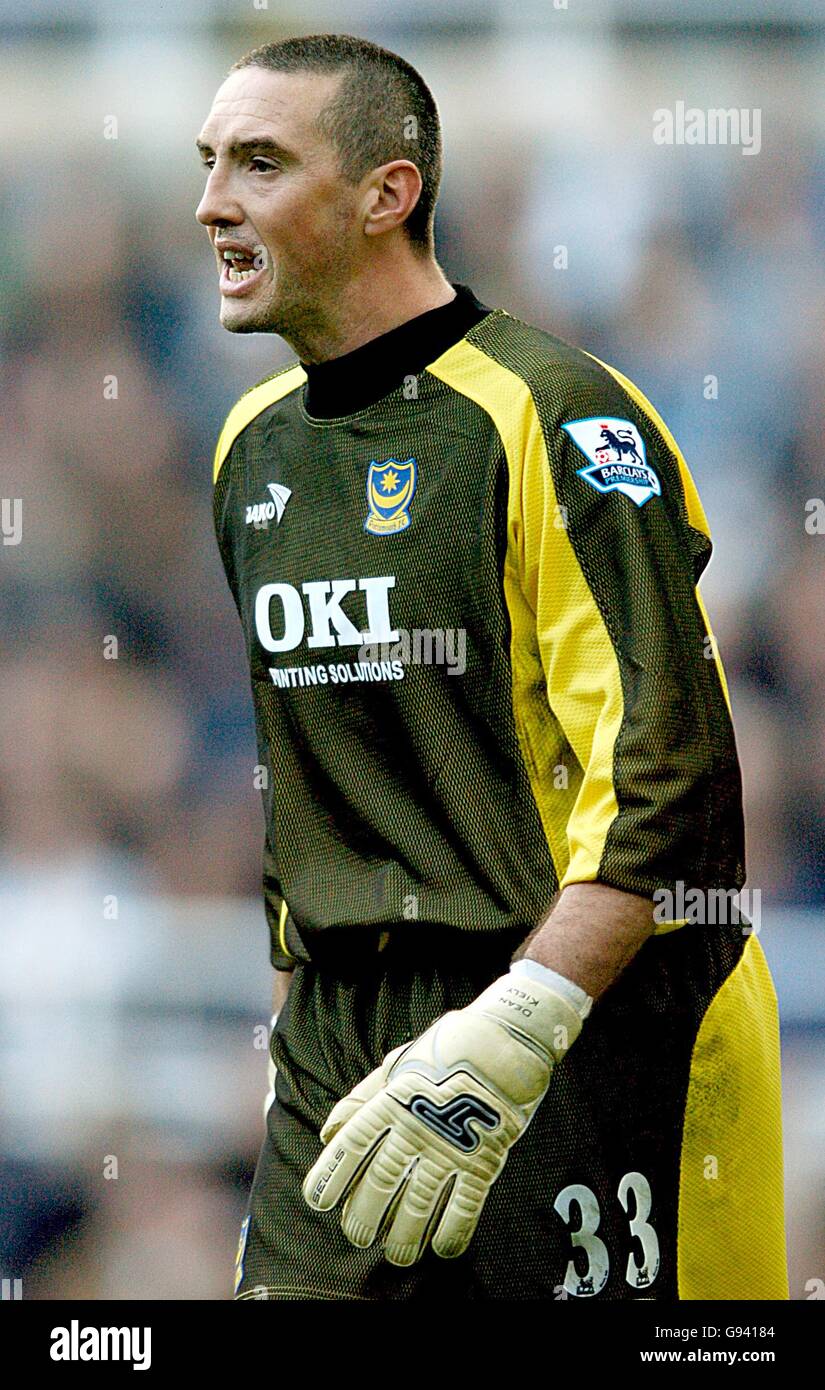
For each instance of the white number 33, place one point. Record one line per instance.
(638, 1274)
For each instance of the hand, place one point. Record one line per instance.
(271, 1071)
(416, 1146)
(282, 979)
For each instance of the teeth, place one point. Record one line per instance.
(236, 275)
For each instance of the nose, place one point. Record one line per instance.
(217, 206)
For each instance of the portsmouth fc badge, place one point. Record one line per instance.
(618, 462)
(390, 490)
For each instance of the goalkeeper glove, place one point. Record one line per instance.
(416, 1146)
(271, 1071)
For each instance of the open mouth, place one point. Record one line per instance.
(241, 269)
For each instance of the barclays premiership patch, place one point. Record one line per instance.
(618, 462)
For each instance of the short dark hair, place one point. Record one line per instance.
(368, 121)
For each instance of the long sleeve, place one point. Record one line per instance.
(277, 914)
(275, 907)
(618, 689)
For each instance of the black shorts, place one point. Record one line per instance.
(651, 1170)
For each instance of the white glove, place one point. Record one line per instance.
(271, 1071)
(416, 1146)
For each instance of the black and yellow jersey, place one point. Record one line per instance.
(466, 562)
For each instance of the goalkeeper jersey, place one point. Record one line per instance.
(465, 558)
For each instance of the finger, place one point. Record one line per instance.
(330, 1177)
(344, 1157)
(423, 1200)
(359, 1095)
(457, 1226)
(338, 1116)
(379, 1189)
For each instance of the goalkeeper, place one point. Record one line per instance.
(509, 1063)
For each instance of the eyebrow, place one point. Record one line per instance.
(263, 145)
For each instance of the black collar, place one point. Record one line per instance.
(350, 383)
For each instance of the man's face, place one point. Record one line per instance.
(275, 197)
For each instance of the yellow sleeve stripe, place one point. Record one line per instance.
(695, 510)
(282, 929)
(717, 658)
(549, 601)
(731, 1229)
(250, 405)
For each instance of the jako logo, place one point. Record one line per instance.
(261, 513)
(76, 1343)
(323, 598)
(716, 126)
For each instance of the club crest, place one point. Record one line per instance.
(390, 490)
(618, 462)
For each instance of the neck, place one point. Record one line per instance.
(354, 380)
(372, 302)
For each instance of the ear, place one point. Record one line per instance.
(391, 194)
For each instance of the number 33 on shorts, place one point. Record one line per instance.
(585, 1238)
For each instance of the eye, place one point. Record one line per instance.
(263, 166)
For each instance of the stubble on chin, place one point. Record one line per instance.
(301, 308)
(278, 306)
(240, 316)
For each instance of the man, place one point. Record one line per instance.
(507, 1065)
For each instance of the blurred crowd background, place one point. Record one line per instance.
(134, 985)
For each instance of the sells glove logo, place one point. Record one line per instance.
(619, 463)
(452, 1120)
(318, 1189)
